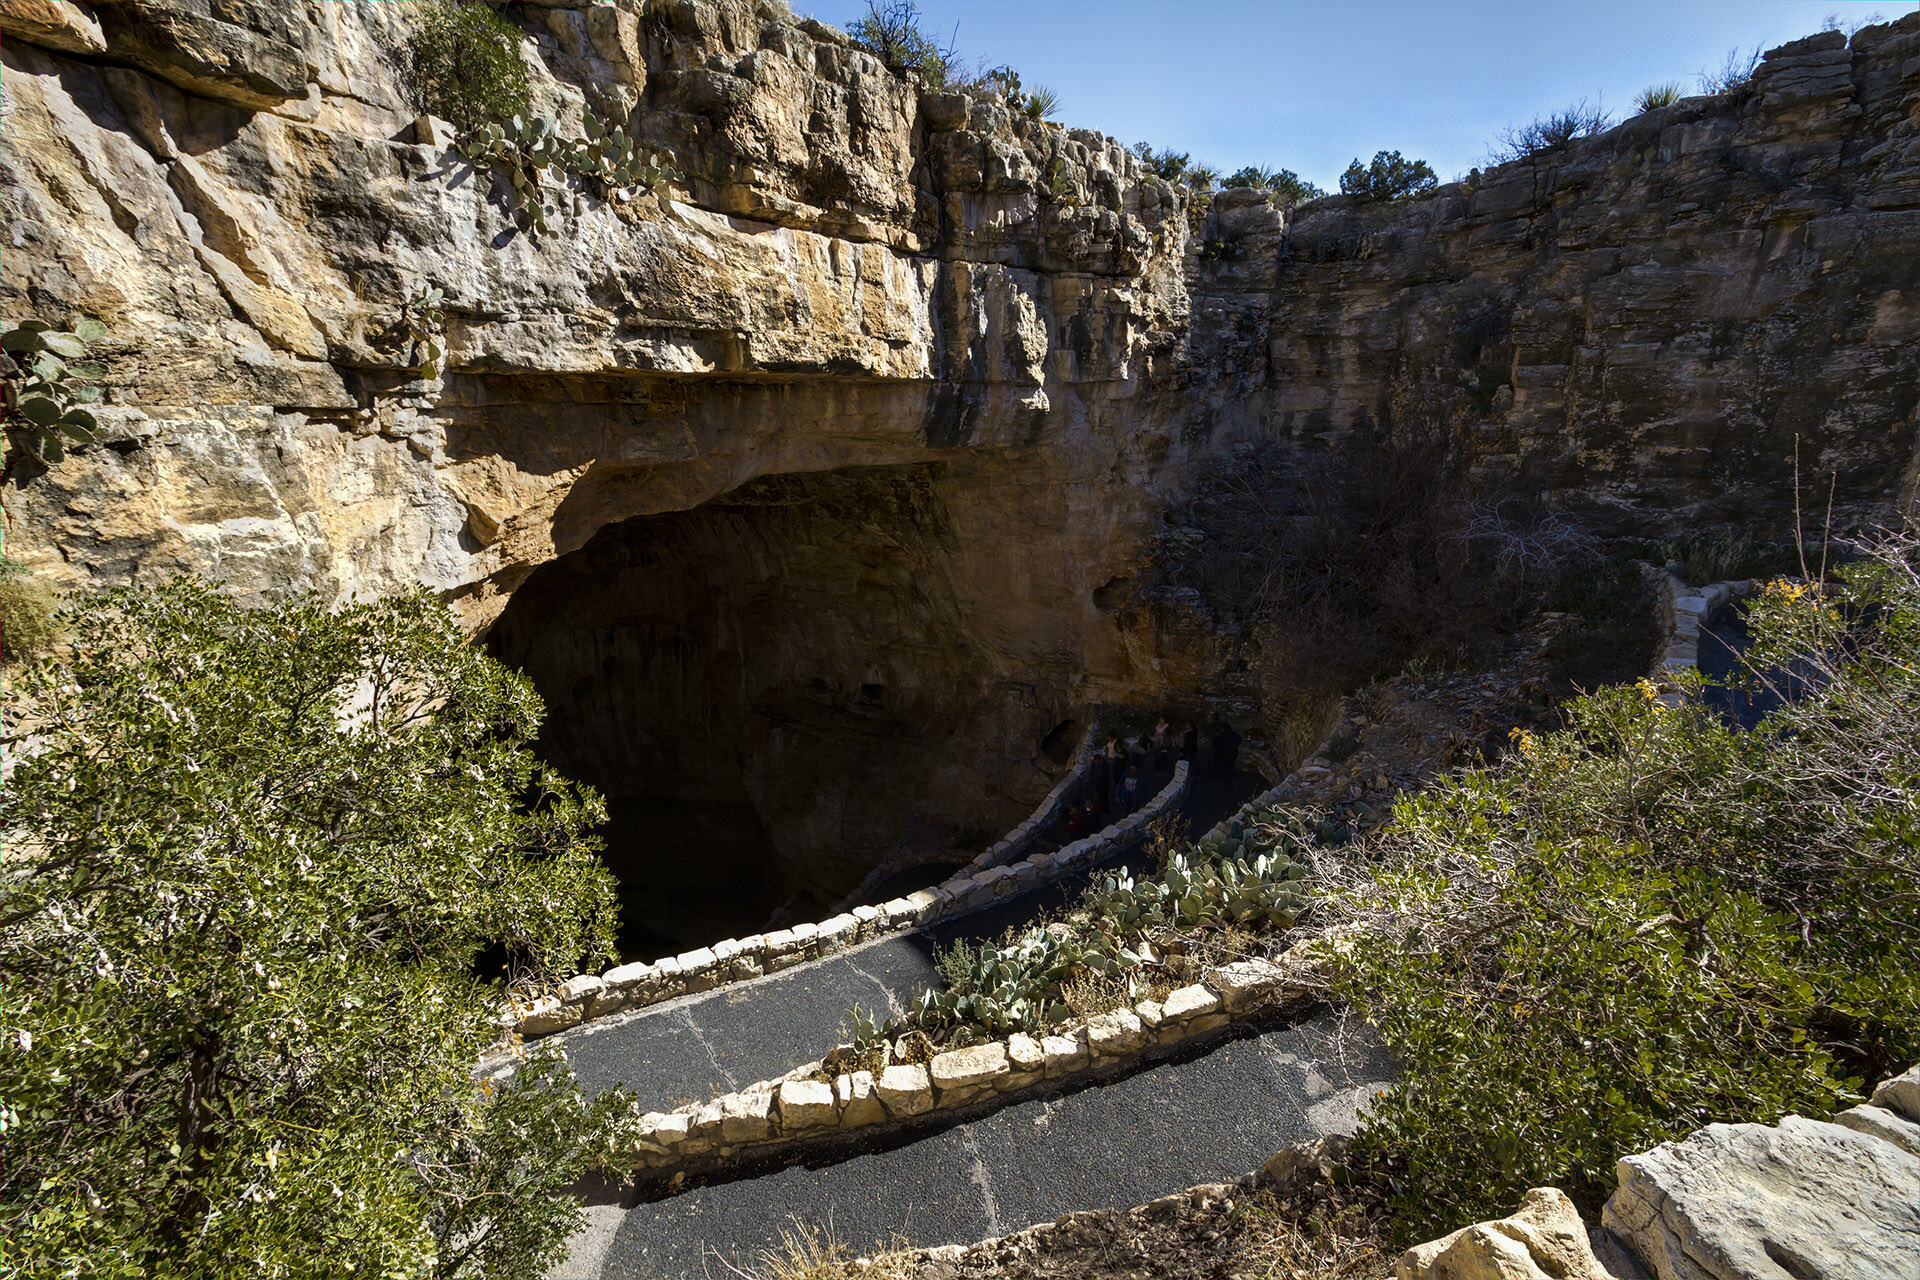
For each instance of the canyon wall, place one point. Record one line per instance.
(811, 487)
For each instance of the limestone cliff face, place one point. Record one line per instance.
(854, 436)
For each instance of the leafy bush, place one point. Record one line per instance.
(1389, 177)
(1653, 97)
(1168, 164)
(251, 871)
(1549, 132)
(49, 382)
(1649, 920)
(1285, 183)
(466, 60)
(891, 32)
(27, 612)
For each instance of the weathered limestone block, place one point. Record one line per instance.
(1190, 1003)
(577, 989)
(548, 1015)
(51, 24)
(1115, 1034)
(1065, 1054)
(1028, 1058)
(747, 1117)
(1901, 1094)
(1545, 1238)
(664, 1131)
(960, 1075)
(1805, 1200)
(905, 1090)
(807, 1104)
(1247, 982)
(697, 969)
(1291, 1166)
(858, 1096)
(1880, 1123)
(205, 55)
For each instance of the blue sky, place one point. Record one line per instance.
(1310, 86)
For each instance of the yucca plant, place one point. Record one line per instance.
(1653, 97)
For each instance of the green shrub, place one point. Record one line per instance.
(1653, 97)
(1649, 921)
(1389, 177)
(28, 623)
(259, 855)
(892, 32)
(466, 60)
(1285, 183)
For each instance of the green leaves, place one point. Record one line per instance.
(1649, 921)
(58, 381)
(260, 855)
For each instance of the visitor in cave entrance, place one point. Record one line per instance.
(1189, 742)
(1162, 740)
(1075, 824)
(1130, 789)
(1226, 749)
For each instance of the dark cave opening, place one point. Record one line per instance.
(775, 691)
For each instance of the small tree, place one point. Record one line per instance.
(1389, 177)
(891, 32)
(253, 860)
(466, 58)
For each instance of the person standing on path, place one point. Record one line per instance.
(1130, 789)
(1162, 740)
(1189, 743)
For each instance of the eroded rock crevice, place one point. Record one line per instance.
(775, 689)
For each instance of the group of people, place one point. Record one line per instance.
(1117, 785)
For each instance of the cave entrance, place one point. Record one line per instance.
(775, 691)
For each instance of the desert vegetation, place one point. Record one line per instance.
(264, 869)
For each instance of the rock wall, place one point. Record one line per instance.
(897, 383)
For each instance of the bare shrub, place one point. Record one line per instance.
(1550, 131)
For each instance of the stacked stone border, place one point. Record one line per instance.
(1014, 844)
(1683, 611)
(631, 986)
(800, 1110)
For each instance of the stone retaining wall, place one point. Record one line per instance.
(1683, 611)
(630, 986)
(801, 1108)
(1014, 844)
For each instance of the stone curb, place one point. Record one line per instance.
(1683, 611)
(798, 1108)
(632, 986)
(1027, 831)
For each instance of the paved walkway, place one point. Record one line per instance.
(1162, 1129)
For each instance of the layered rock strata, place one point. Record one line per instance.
(847, 449)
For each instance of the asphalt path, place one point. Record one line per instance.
(1129, 1141)
(690, 1049)
(1119, 1143)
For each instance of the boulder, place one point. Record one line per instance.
(1888, 1126)
(1805, 1200)
(1901, 1095)
(185, 44)
(1545, 1238)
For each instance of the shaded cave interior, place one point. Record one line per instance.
(775, 691)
